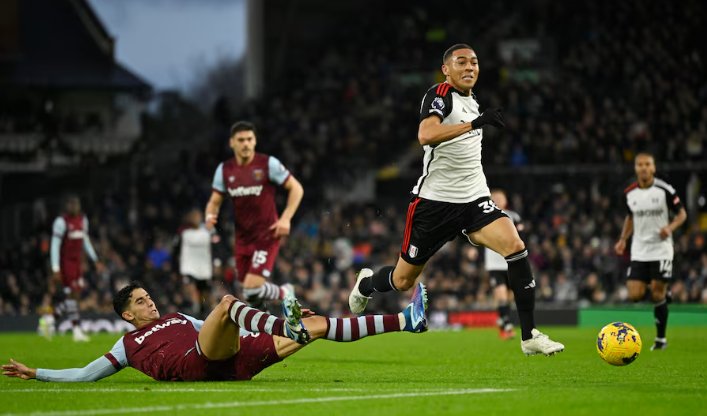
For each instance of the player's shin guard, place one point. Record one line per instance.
(523, 286)
(660, 311)
(253, 320)
(352, 329)
(381, 281)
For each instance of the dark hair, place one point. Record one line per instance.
(122, 298)
(239, 126)
(448, 53)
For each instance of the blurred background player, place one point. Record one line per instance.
(497, 268)
(69, 238)
(195, 260)
(250, 179)
(649, 202)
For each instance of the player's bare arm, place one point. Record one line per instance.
(281, 227)
(212, 209)
(626, 232)
(679, 219)
(432, 131)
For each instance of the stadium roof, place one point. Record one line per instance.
(59, 44)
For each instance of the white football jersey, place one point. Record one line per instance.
(494, 261)
(195, 254)
(649, 208)
(452, 171)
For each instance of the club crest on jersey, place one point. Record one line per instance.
(412, 252)
(438, 104)
(231, 178)
(258, 174)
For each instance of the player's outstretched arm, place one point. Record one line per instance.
(96, 370)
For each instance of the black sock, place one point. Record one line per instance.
(523, 285)
(381, 281)
(504, 312)
(660, 311)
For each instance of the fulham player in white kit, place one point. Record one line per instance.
(451, 198)
(649, 202)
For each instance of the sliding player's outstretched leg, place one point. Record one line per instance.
(411, 319)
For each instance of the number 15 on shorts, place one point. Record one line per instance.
(259, 257)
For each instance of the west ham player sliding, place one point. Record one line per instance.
(250, 180)
(69, 239)
(649, 202)
(177, 347)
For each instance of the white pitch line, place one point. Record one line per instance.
(174, 390)
(209, 405)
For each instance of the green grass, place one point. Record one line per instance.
(425, 368)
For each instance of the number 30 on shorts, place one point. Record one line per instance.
(260, 257)
(488, 206)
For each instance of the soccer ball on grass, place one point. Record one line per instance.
(619, 343)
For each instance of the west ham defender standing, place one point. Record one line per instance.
(497, 268)
(250, 179)
(69, 239)
(451, 198)
(649, 201)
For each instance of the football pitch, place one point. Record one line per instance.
(436, 373)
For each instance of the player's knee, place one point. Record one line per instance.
(515, 246)
(657, 297)
(635, 296)
(226, 302)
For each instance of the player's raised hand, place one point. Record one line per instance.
(281, 228)
(19, 370)
(620, 247)
(492, 116)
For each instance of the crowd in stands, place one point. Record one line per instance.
(614, 79)
(570, 236)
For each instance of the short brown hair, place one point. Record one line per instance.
(239, 126)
